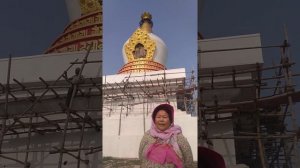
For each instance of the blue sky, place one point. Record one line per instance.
(29, 27)
(175, 22)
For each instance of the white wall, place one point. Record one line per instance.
(178, 73)
(47, 142)
(48, 66)
(233, 57)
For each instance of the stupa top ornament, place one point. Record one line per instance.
(144, 51)
(146, 15)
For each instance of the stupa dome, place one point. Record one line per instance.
(144, 51)
(83, 31)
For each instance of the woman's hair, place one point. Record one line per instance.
(167, 108)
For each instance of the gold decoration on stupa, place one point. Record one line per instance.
(140, 37)
(146, 15)
(140, 49)
(83, 31)
(89, 6)
(141, 66)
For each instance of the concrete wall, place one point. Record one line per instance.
(48, 66)
(232, 57)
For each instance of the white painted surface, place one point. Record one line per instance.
(233, 57)
(126, 145)
(48, 66)
(147, 76)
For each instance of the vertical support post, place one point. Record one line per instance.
(120, 119)
(26, 165)
(259, 141)
(165, 87)
(7, 88)
(185, 104)
(200, 108)
(144, 118)
(285, 58)
(81, 139)
(200, 121)
(70, 107)
(147, 107)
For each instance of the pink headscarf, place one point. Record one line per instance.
(163, 150)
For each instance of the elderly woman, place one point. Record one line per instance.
(164, 146)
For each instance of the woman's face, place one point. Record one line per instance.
(162, 120)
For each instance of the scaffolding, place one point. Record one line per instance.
(34, 111)
(264, 124)
(145, 89)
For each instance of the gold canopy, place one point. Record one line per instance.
(140, 49)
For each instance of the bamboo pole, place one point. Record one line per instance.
(70, 107)
(27, 164)
(80, 142)
(287, 77)
(3, 130)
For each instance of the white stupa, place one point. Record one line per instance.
(142, 83)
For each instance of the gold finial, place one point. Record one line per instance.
(146, 15)
(146, 23)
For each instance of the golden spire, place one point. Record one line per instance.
(146, 23)
(146, 15)
(89, 6)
